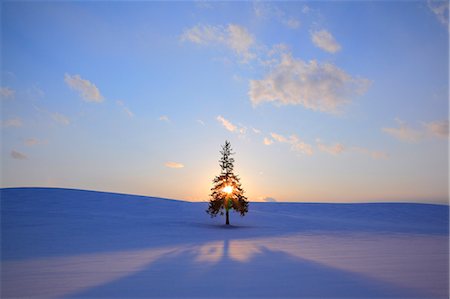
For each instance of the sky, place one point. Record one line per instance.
(322, 101)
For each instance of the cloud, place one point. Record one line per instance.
(203, 34)
(7, 93)
(441, 11)
(324, 40)
(240, 40)
(239, 129)
(233, 36)
(438, 129)
(333, 149)
(267, 141)
(164, 118)
(12, 122)
(268, 199)
(300, 146)
(433, 129)
(60, 118)
(306, 9)
(278, 137)
(55, 116)
(201, 122)
(276, 50)
(33, 141)
(18, 156)
(227, 124)
(203, 4)
(88, 91)
(174, 165)
(34, 93)
(339, 148)
(256, 131)
(265, 10)
(379, 155)
(404, 132)
(292, 23)
(125, 108)
(373, 154)
(296, 144)
(315, 86)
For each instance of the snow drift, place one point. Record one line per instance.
(74, 243)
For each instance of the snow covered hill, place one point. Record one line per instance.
(74, 243)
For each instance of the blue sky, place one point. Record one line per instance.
(322, 101)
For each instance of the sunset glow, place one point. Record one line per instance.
(130, 100)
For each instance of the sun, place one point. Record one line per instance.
(228, 189)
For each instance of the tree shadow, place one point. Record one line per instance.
(70, 224)
(46, 222)
(266, 273)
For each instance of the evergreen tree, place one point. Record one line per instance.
(227, 192)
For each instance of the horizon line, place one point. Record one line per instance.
(252, 201)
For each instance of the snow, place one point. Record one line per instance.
(74, 243)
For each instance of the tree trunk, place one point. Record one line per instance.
(228, 218)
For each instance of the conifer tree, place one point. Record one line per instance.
(227, 193)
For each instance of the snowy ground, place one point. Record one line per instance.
(72, 243)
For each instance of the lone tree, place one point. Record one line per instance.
(227, 192)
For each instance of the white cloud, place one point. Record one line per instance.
(60, 118)
(261, 9)
(88, 91)
(173, 165)
(377, 155)
(267, 141)
(12, 122)
(203, 4)
(164, 118)
(201, 122)
(34, 93)
(256, 131)
(55, 116)
(316, 86)
(279, 138)
(18, 156)
(240, 40)
(441, 11)
(306, 9)
(234, 37)
(333, 149)
(7, 93)
(227, 124)
(125, 108)
(299, 145)
(203, 34)
(33, 141)
(265, 10)
(292, 23)
(239, 129)
(296, 144)
(438, 129)
(339, 148)
(267, 199)
(278, 49)
(324, 40)
(404, 132)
